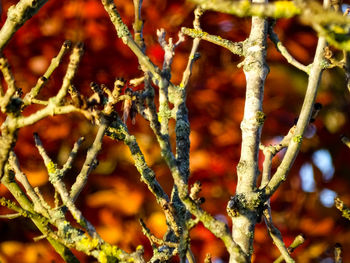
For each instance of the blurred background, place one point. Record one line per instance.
(115, 198)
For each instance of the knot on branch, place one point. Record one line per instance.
(241, 204)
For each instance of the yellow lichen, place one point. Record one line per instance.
(298, 138)
(102, 257)
(51, 167)
(286, 9)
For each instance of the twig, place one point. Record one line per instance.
(303, 120)
(41, 198)
(72, 156)
(90, 162)
(299, 240)
(338, 250)
(10, 216)
(247, 9)
(11, 86)
(153, 239)
(124, 33)
(39, 207)
(235, 47)
(207, 258)
(16, 17)
(119, 132)
(55, 178)
(283, 50)
(276, 236)
(345, 140)
(138, 25)
(74, 60)
(50, 110)
(55, 62)
(13, 206)
(339, 204)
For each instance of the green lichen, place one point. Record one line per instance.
(194, 32)
(260, 117)
(122, 29)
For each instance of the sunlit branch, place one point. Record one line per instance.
(338, 250)
(90, 162)
(303, 120)
(41, 224)
(164, 113)
(339, 204)
(11, 86)
(246, 8)
(55, 62)
(10, 216)
(72, 156)
(74, 60)
(346, 141)
(138, 25)
(283, 50)
(50, 110)
(276, 236)
(153, 239)
(235, 47)
(41, 198)
(299, 240)
(17, 15)
(240, 207)
(327, 23)
(22, 178)
(55, 178)
(124, 33)
(269, 152)
(118, 131)
(13, 206)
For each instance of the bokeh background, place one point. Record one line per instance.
(115, 198)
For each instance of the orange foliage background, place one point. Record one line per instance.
(115, 198)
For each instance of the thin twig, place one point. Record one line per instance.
(17, 15)
(283, 50)
(303, 120)
(338, 250)
(55, 62)
(55, 178)
(235, 47)
(299, 240)
(339, 204)
(74, 60)
(276, 236)
(39, 207)
(11, 85)
(10, 216)
(90, 162)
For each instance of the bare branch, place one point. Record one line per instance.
(55, 62)
(17, 15)
(235, 47)
(299, 240)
